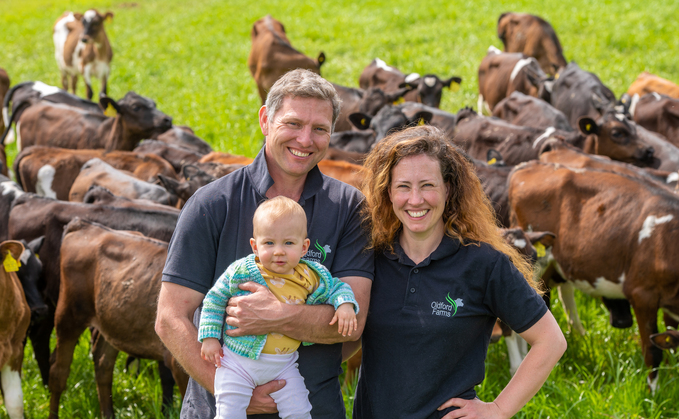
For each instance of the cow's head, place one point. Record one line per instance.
(375, 99)
(429, 88)
(93, 24)
(616, 138)
(139, 118)
(389, 119)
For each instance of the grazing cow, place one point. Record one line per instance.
(353, 141)
(501, 73)
(610, 136)
(579, 93)
(272, 55)
(665, 154)
(81, 47)
(445, 121)
(51, 171)
(533, 36)
(528, 111)
(16, 316)
(99, 173)
(657, 113)
(615, 237)
(389, 119)
(57, 125)
(177, 156)
(183, 136)
(666, 340)
(109, 280)
(4, 87)
(650, 83)
(427, 89)
(368, 101)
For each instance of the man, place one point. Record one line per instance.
(214, 230)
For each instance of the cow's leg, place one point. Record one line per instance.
(40, 340)
(645, 306)
(64, 80)
(12, 393)
(167, 384)
(67, 338)
(567, 297)
(74, 83)
(87, 76)
(479, 105)
(104, 356)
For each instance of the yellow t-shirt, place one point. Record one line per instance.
(290, 289)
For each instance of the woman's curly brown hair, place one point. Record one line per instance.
(468, 215)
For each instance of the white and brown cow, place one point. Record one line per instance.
(15, 315)
(82, 47)
(615, 238)
(658, 113)
(650, 83)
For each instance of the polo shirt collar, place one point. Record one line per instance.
(258, 171)
(448, 247)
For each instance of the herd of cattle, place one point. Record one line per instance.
(583, 183)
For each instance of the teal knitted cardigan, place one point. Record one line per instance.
(330, 291)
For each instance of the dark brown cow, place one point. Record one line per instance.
(342, 155)
(177, 156)
(109, 280)
(528, 111)
(665, 154)
(101, 195)
(615, 238)
(82, 47)
(15, 315)
(533, 36)
(666, 340)
(389, 119)
(657, 113)
(272, 55)
(650, 83)
(445, 121)
(427, 89)
(51, 171)
(183, 136)
(368, 101)
(57, 125)
(196, 176)
(501, 73)
(4, 88)
(353, 141)
(610, 136)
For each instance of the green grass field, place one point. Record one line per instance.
(191, 59)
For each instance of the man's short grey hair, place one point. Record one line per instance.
(302, 83)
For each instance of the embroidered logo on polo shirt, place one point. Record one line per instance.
(447, 308)
(320, 254)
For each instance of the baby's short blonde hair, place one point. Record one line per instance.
(279, 207)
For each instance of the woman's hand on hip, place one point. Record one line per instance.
(472, 409)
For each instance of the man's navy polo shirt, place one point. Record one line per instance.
(429, 327)
(214, 230)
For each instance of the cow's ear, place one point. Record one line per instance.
(455, 82)
(397, 95)
(36, 244)
(172, 185)
(321, 59)
(494, 158)
(422, 117)
(108, 16)
(360, 120)
(78, 16)
(110, 106)
(588, 126)
(545, 237)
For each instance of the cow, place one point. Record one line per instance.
(109, 280)
(665, 154)
(615, 238)
(613, 135)
(389, 119)
(16, 316)
(533, 36)
(272, 55)
(368, 101)
(493, 173)
(579, 93)
(4, 88)
(427, 89)
(360, 141)
(33, 216)
(657, 113)
(51, 171)
(666, 340)
(650, 83)
(184, 137)
(100, 195)
(445, 121)
(501, 73)
(58, 125)
(97, 172)
(528, 111)
(338, 154)
(177, 156)
(82, 47)
(196, 176)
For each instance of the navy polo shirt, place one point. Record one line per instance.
(429, 326)
(214, 230)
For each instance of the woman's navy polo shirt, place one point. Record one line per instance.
(429, 327)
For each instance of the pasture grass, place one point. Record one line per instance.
(191, 59)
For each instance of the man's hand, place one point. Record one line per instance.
(261, 401)
(211, 351)
(257, 313)
(347, 319)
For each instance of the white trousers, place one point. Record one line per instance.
(238, 376)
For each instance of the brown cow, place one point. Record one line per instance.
(615, 238)
(109, 280)
(650, 83)
(501, 73)
(272, 55)
(51, 171)
(368, 101)
(657, 113)
(82, 47)
(16, 315)
(57, 125)
(177, 156)
(183, 136)
(533, 36)
(528, 111)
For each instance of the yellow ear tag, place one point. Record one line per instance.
(540, 248)
(556, 76)
(363, 121)
(110, 111)
(668, 339)
(454, 87)
(421, 122)
(588, 127)
(321, 59)
(399, 101)
(11, 264)
(492, 161)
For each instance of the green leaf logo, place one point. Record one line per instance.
(452, 302)
(321, 249)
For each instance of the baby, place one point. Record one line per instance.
(279, 242)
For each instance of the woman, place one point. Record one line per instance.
(442, 276)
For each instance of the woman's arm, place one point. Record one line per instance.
(547, 346)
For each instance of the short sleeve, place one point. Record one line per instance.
(352, 258)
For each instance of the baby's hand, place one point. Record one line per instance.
(347, 319)
(212, 351)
